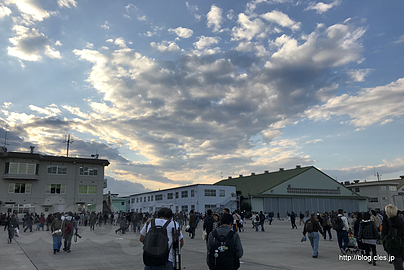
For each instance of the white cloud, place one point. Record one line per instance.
(321, 7)
(181, 32)
(4, 11)
(67, 3)
(248, 29)
(52, 110)
(370, 106)
(105, 25)
(30, 43)
(282, 19)
(31, 8)
(358, 75)
(165, 46)
(193, 10)
(204, 42)
(399, 40)
(214, 18)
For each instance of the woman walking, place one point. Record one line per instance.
(56, 229)
(368, 235)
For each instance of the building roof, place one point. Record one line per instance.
(398, 182)
(21, 155)
(259, 183)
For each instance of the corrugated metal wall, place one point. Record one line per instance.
(283, 205)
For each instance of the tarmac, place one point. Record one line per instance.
(279, 247)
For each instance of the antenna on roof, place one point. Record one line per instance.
(377, 174)
(68, 142)
(5, 140)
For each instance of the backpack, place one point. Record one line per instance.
(156, 249)
(309, 227)
(337, 223)
(257, 218)
(392, 242)
(68, 228)
(222, 253)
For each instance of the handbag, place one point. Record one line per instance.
(57, 232)
(204, 235)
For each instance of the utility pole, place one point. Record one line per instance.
(68, 142)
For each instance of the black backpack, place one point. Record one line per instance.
(337, 223)
(156, 249)
(392, 242)
(222, 253)
(309, 227)
(257, 218)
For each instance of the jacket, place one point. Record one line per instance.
(316, 226)
(224, 230)
(397, 222)
(368, 230)
(56, 224)
(208, 224)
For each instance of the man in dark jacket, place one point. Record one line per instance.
(226, 222)
(11, 224)
(208, 223)
(396, 222)
(312, 227)
(192, 223)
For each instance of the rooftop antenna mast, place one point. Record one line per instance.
(377, 174)
(5, 140)
(68, 142)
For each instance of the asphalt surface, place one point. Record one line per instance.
(279, 247)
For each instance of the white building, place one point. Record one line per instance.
(199, 197)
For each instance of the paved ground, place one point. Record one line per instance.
(279, 247)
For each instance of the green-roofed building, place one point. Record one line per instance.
(299, 189)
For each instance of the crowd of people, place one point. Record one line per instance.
(356, 232)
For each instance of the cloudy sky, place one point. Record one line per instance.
(180, 92)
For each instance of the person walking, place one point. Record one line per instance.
(122, 225)
(312, 229)
(208, 223)
(301, 216)
(256, 220)
(340, 224)
(326, 224)
(262, 221)
(192, 223)
(68, 227)
(164, 216)
(10, 226)
(393, 221)
(56, 229)
(368, 235)
(293, 220)
(224, 232)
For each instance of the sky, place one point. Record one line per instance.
(175, 93)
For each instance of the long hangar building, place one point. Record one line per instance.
(299, 189)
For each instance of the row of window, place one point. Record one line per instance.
(184, 208)
(382, 188)
(32, 169)
(49, 188)
(313, 191)
(184, 194)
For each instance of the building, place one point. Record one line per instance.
(379, 193)
(33, 182)
(299, 189)
(120, 204)
(198, 197)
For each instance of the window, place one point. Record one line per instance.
(55, 169)
(222, 193)
(210, 193)
(83, 189)
(88, 171)
(55, 189)
(151, 197)
(176, 209)
(384, 198)
(92, 189)
(192, 193)
(392, 188)
(148, 198)
(193, 207)
(132, 200)
(184, 208)
(176, 195)
(357, 189)
(159, 197)
(383, 188)
(184, 194)
(209, 206)
(21, 168)
(137, 200)
(19, 188)
(122, 203)
(169, 196)
(373, 200)
(140, 199)
(91, 207)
